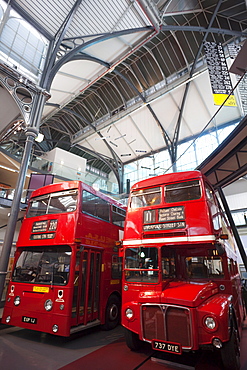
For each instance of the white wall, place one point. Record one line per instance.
(236, 194)
(66, 164)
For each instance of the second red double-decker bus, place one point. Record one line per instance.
(181, 285)
(67, 274)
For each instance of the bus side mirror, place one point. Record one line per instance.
(120, 252)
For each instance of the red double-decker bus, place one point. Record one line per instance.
(67, 273)
(181, 285)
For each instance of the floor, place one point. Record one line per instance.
(93, 350)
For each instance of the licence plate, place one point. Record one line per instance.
(29, 320)
(170, 347)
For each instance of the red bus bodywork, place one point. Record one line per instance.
(67, 273)
(181, 285)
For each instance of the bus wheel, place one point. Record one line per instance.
(112, 315)
(132, 340)
(230, 352)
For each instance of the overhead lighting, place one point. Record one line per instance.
(114, 144)
(131, 142)
(147, 168)
(39, 138)
(102, 138)
(8, 169)
(12, 170)
(120, 137)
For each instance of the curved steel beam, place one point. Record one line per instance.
(115, 88)
(133, 74)
(103, 102)
(166, 137)
(79, 105)
(203, 29)
(155, 60)
(53, 69)
(66, 132)
(84, 56)
(54, 46)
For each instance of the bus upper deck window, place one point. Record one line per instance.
(184, 191)
(52, 203)
(63, 203)
(118, 216)
(145, 197)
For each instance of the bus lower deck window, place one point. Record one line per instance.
(184, 191)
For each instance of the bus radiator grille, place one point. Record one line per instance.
(167, 323)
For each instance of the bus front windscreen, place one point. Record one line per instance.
(53, 203)
(43, 265)
(141, 264)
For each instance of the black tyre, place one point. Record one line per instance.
(112, 315)
(230, 352)
(132, 340)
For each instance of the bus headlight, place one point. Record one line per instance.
(129, 313)
(48, 304)
(210, 323)
(55, 328)
(7, 319)
(17, 300)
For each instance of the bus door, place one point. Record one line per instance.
(85, 306)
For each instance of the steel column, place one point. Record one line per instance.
(31, 133)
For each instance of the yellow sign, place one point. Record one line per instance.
(112, 282)
(220, 98)
(41, 289)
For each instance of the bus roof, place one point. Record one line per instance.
(167, 178)
(60, 186)
(69, 185)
